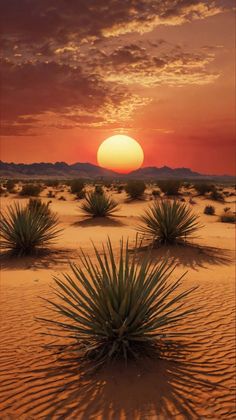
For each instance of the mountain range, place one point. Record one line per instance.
(88, 170)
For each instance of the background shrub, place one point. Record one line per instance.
(209, 210)
(32, 190)
(135, 189)
(169, 187)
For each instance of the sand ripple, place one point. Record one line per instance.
(192, 380)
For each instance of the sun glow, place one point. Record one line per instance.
(120, 153)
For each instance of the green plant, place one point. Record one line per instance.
(24, 229)
(202, 188)
(169, 187)
(135, 189)
(168, 222)
(98, 189)
(156, 193)
(32, 190)
(216, 195)
(76, 186)
(10, 185)
(98, 205)
(36, 204)
(209, 210)
(117, 310)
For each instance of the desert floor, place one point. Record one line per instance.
(194, 380)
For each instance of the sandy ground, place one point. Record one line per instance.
(194, 380)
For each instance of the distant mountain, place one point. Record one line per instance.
(88, 170)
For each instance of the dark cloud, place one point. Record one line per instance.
(61, 60)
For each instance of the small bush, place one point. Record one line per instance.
(76, 186)
(52, 183)
(202, 188)
(50, 194)
(135, 189)
(80, 195)
(32, 190)
(98, 189)
(24, 229)
(10, 185)
(156, 193)
(170, 187)
(168, 222)
(98, 205)
(209, 210)
(228, 217)
(117, 310)
(216, 195)
(36, 204)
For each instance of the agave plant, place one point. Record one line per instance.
(36, 204)
(168, 222)
(117, 310)
(23, 229)
(98, 205)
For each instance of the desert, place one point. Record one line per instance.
(193, 374)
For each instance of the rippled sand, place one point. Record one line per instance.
(192, 379)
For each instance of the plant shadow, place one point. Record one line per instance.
(190, 255)
(173, 385)
(99, 221)
(42, 259)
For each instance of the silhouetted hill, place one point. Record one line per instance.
(88, 170)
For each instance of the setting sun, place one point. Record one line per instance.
(120, 153)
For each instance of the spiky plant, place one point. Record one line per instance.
(168, 222)
(98, 205)
(36, 204)
(24, 229)
(135, 189)
(117, 309)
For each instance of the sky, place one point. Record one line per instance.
(74, 73)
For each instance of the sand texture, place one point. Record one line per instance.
(194, 379)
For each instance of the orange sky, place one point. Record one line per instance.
(160, 72)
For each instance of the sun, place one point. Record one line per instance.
(120, 153)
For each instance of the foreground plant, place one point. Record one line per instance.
(98, 205)
(117, 309)
(168, 222)
(24, 229)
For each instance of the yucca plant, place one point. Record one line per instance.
(98, 205)
(24, 229)
(117, 309)
(36, 204)
(168, 222)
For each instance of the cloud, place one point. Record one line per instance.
(67, 64)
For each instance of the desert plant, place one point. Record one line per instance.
(10, 185)
(209, 210)
(155, 193)
(169, 187)
(118, 310)
(24, 229)
(98, 205)
(168, 222)
(135, 189)
(80, 195)
(36, 204)
(32, 190)
(228, 217)
(216, 195)
(76, 186)
(98, 189)
(202, 188)
(52, 183)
